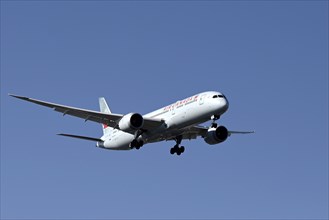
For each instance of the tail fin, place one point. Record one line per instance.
(104, 108)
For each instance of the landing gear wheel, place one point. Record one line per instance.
(140, 143)
(214, 125)
(172, 151)
(177, 149)
(136, 144)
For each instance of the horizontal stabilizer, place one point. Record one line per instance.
(241, 132)
(82, 137)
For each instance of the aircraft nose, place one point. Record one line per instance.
(225, 103)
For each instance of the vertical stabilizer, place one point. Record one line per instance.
(104, 108)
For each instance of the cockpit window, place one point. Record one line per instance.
(218, 96)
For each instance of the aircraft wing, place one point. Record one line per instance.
(202, 131)
(89, 115)
(195, 131)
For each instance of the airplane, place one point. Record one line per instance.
(178, 121)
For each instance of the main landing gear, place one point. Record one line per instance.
(137, 143)
(177, 149)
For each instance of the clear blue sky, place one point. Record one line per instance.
(270, 58)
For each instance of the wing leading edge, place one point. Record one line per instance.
(89, 115)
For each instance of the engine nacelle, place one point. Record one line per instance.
(131, 122)
(216, 135)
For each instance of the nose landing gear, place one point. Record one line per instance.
(214, 118)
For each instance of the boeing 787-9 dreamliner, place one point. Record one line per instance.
(178, 121)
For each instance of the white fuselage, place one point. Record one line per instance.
(181, 114)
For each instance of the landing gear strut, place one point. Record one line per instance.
(214, 118)
(177, 149)
(137, 143)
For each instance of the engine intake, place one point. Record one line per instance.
(131, 122)
(216, 135)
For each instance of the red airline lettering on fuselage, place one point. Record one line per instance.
(185, 101)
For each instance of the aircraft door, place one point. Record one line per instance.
(173, 110)
(201, 101)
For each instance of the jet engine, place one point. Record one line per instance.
(216, 135)
(131, 122)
